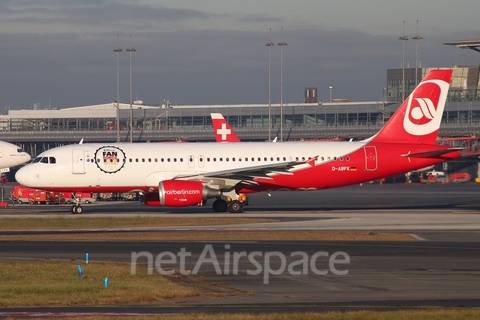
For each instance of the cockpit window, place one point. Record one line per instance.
(37, 160)
(19, 150)
(52, 160)
(44, 160)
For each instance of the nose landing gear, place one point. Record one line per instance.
(76, 209)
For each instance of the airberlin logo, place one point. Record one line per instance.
(181, 192)
(425, 108)
(110, 159)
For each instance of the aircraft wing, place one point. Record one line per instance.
(248, 174)
(431, 154)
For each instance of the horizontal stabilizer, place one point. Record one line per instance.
(430, 154)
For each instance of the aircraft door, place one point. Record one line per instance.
(371, 158)
(201, 162)
(78, 161)
(1, 152)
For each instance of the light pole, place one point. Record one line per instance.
(417, 37)
(331, 88)
(270, 44)
(130, 50)
(403, 38)
(117, 51)
(281, 44)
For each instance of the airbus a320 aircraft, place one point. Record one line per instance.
(12, 155)
(186, 174)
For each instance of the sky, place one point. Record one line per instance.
(59, 53)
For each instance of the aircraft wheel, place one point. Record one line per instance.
(76, 209)
(235, 206)
(220, 205)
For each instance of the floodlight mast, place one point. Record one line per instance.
(130, 50)
(117, 51)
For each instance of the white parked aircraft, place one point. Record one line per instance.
(186, 174)
(11, 156)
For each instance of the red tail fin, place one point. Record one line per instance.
(418, 118)
(223, 131)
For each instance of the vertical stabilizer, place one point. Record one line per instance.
(221, 128)
(418, 118)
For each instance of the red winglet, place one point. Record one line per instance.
(311, 161)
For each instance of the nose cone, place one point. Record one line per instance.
(23, 158)
(22, 176)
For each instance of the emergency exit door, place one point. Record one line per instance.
(371, 158)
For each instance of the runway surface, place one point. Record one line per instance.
(442, 268)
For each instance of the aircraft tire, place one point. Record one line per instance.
(235, 206)
(220, 205)
(76, 209)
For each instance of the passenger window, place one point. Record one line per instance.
(149, 160)
(181, 159)
(347, 158)
(174, 159)
(156, 159)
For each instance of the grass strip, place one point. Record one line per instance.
(42, 283)
(85, 222)
(225, 236)
(428, 314)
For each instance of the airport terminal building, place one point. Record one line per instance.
(37, 129)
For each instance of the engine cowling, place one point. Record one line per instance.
(179, 193)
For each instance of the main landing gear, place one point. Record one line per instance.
(234, 206)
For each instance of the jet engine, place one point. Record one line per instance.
(180, 193)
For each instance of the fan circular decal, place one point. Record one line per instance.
(110, 159)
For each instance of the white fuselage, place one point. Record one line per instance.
(12, 155)
(126, 167)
